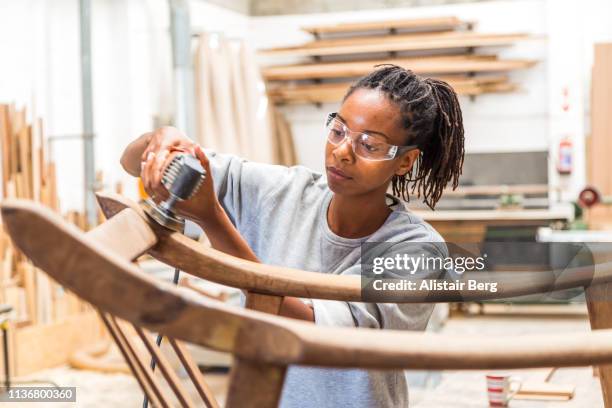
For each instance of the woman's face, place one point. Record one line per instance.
(367, 111)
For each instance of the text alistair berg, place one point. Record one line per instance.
(413, 264)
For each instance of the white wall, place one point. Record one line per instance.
(494, 123)
(132, 73)
(132, 78)
(529, 120)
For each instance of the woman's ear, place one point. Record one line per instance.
(407, 161)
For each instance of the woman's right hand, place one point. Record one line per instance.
(164, 144)
(161, 144)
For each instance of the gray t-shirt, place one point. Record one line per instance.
(282, 214)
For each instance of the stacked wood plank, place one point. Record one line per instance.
(27, 173)
(48, 322)
(436, 24)
(396, 42)
(434, 47)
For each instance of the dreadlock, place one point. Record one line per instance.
(432, 117)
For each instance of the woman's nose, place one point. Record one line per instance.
(344, 150)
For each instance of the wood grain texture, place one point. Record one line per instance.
(119, 287)
(600, 144)
(152, 387)
(433, 24)
(91, 357)
(291, 93)
(255, 385)
(207, 263)
(264, 303)
(194, 374)
(420, 65)
(127, 234)
(166, 369)
(394, 43)
(599, 303)
(140, 375)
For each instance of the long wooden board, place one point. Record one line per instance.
(600, 166)
(429, 24)
(422, 65)
(334, 92)
(411, 42)
(114, 284)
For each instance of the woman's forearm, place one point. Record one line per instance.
(132, 155)
(207, 213)
(225, 237)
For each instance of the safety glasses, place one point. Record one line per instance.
(368, 147)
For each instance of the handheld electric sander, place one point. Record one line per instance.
(182, 178)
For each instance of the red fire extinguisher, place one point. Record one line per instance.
(564, 161)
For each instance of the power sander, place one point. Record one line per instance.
(182, 178)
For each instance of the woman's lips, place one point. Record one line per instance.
(337, 174)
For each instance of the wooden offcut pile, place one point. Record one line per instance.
(443, 48)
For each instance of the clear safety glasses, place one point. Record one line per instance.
(369, 147)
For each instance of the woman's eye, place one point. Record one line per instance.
(369, 147)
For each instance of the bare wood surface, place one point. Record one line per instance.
(141, 371)
(391, 43)
(334, 92)
(166, 369)
(512, 216)
(42, 346)
(599, 303)
(194, 374)
(255, 385)
(129, 237)
(435, 23)
(420, 65)
(497, 189)
(90, 358)
(208, 263)
(129, 359)
(127, 234)
(121, 288)
(600, 142)
(264, 303)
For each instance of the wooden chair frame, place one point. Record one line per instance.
(97, 266)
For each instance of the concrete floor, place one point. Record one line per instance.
(427, 389)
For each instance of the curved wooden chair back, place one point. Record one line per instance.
(97, 267)
(265, 285)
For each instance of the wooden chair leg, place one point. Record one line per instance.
(264, 303)
(143, 367)
(256, 385)
(164, 365)
(131, 360)
(194, 373)
(599, 304)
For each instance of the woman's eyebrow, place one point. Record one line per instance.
(372, 132)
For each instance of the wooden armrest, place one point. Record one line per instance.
(114, 284)
(207, 263)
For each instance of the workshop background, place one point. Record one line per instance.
(80, 79)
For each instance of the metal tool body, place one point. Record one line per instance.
(182, 178)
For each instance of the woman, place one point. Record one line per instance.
(393, 127)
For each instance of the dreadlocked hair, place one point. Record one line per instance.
(432, 118)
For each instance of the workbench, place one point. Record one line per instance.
(473, 225)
